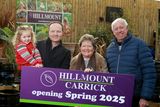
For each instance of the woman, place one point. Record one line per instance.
(88, 60)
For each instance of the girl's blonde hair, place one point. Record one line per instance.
(20, 30)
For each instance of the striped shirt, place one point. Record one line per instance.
(27, 55)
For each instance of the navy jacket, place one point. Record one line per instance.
(134, 58)
(58, 57)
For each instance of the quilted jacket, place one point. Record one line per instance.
(134, 58)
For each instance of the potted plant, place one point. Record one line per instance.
(103, 36)
(8, 51)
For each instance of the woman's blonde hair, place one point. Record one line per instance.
(20, 30)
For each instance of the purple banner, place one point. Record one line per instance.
(43, 17)
(62, 85)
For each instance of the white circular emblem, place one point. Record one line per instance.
(48, 78)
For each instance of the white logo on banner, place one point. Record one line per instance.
(48, 78)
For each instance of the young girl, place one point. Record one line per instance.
(26, 52)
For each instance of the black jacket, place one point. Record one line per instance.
(58, 57)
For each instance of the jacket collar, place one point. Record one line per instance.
(129, 36)
(49, 43)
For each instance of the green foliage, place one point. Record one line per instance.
(3, 35)
(41, 32)
(41, 36)
(68, 18)
(103, 36)
(6, 35)
(8, 32)
(102, 32)
(9, 52)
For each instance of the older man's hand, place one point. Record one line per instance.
(143, 103)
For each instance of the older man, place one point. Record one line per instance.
(127, 54)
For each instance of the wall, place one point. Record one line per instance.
(158, 31)
(140, 14)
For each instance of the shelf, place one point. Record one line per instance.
(10, 87)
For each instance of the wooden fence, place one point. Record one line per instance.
(88, 15)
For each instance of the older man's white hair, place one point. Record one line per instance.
(118, 20)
